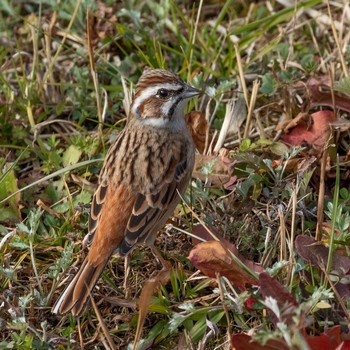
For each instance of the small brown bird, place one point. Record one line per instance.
(144, 171)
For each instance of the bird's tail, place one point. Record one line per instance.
(78, 292)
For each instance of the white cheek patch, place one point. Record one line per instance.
(166, 106)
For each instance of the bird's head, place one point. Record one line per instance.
(160, 97)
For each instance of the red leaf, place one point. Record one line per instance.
(202, 232)
(212, 257)
(345, 345)
(245, 342)
(317, 254)
(319, 93)
(270, 287)
(249, 304)
(329, 340)
(316, 134)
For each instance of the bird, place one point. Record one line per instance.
(144, 175)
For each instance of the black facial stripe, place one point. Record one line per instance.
(172, 109)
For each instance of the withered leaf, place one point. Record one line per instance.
(270, 287)
(213, 257)
(316, 132)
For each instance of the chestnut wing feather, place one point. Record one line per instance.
(100, 194)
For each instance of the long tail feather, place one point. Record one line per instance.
(77, 294)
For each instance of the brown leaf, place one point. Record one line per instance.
(213, 257)
(345, 345)
(270, 287)
(245, 342)
(299, 165)
(198, 126)
(202, 232)
(104, 21)
(330, 339)
(221, 169)
(149, 288)
(300, 119)
(318, 91)
(315, 132)
(317, 254)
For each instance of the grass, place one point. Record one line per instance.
(61, 106)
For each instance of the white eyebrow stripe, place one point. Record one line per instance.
(152, 91)
(168, 86)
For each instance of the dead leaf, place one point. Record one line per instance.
(330, 339)
(213, 257)
(270, 287)
(317, 254)
(149, 288)
(221, 169)
(315, 132)
(318, 92)
(202, 232)
(103, 22)
(345, 345)
(236, 114)
(245, 342)
(42, 205)
(298, 165)
(300, 119)
(198, 126)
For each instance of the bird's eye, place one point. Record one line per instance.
(163, 93)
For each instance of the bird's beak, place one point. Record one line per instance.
(190, 91)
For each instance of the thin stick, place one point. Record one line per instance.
(283, 249)
(89, 29)
(292, 229)
(103, 325)
(81, 339)
(222, 297)
(251, 107)
(336, 38)
(75, 12)
(241, 75)
(321, 191)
